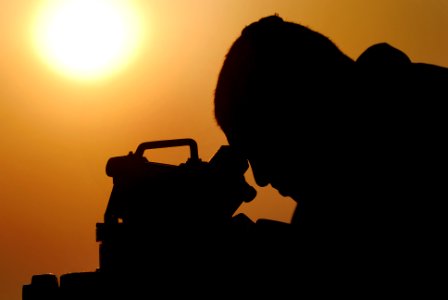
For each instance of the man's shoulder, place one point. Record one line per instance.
(384, 56)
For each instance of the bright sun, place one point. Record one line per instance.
(87, 39)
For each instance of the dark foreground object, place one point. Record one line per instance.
(166, 229)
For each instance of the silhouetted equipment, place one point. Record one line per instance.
(163, 223)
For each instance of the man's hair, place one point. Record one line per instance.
(273, 61)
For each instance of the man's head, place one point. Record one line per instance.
(354, 142)
(276, 97)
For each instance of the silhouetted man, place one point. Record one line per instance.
(359, 145)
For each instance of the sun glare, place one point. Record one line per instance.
(88, 39)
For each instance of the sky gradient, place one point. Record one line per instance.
(57, 132)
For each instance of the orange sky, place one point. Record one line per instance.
(57, 133)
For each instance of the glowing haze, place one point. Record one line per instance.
(87, 38)
(82, 81)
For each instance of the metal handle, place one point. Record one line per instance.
(169, 143)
